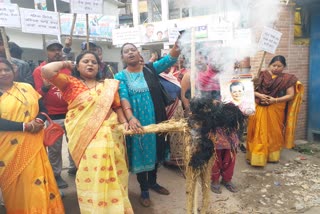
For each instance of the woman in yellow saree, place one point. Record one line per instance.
(278, 99)
(97, 148)
(26, 178)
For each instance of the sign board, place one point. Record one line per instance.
(173, 35)
(269, 40)
(87, 6)
(39, 22)
(9, 15)
(124, 35)
(100, 26)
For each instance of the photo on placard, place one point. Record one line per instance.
(239, 91)
(40, 4)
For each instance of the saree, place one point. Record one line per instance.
(272, 127)
(96, 146)
(26, 178)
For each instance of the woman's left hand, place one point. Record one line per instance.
(126, 126)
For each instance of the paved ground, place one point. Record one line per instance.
(172, 178)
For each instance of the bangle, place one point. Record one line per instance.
(130, 118)
(39, 120)
(32, 127)
(26, 127)
(127, 108)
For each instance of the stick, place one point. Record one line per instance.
(262, 60)
(56, 10)
(5, 44)
(193, 63)
(256, 79)
(88, 33)
(43, 42)
(73, 24)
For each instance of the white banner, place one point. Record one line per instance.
(87, 6)
(269, 40)
(9, 15)
(39, 22)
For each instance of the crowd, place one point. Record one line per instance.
(89, 101)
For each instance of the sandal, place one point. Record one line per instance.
(159, 189)
(230, 186)
(216, 188)
(145, 199)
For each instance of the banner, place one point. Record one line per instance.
(100, 26)
(9, 15)
(39, 22)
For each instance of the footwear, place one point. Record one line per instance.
(159, 189)
(60, 182)
(243, 148)
(145, 199)
(72, 171)
(230, 186)
(216, 188)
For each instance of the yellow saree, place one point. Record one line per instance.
(271, 128)
(26, 178)
(96, 147)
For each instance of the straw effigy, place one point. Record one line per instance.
(192, 174)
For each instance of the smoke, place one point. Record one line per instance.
(243, 18)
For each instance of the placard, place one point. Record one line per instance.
(269, 40)
(124, 35)
(222, 31)
(9, 15)
(87, 6)
(39, 22)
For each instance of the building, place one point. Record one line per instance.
(300, 42)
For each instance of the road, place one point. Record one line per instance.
(173, 179)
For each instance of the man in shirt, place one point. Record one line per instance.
(57, 109)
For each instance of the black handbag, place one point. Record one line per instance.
(167, 99)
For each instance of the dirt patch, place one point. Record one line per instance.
(291, 186)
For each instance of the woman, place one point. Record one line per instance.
(26, 178)
(142, 104)
(266, 134)
(97, 148)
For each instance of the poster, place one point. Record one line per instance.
(100, 26)
(240, 91)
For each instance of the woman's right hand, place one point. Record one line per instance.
(135, 125)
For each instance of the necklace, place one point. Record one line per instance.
(95, 85)
(23, 102)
